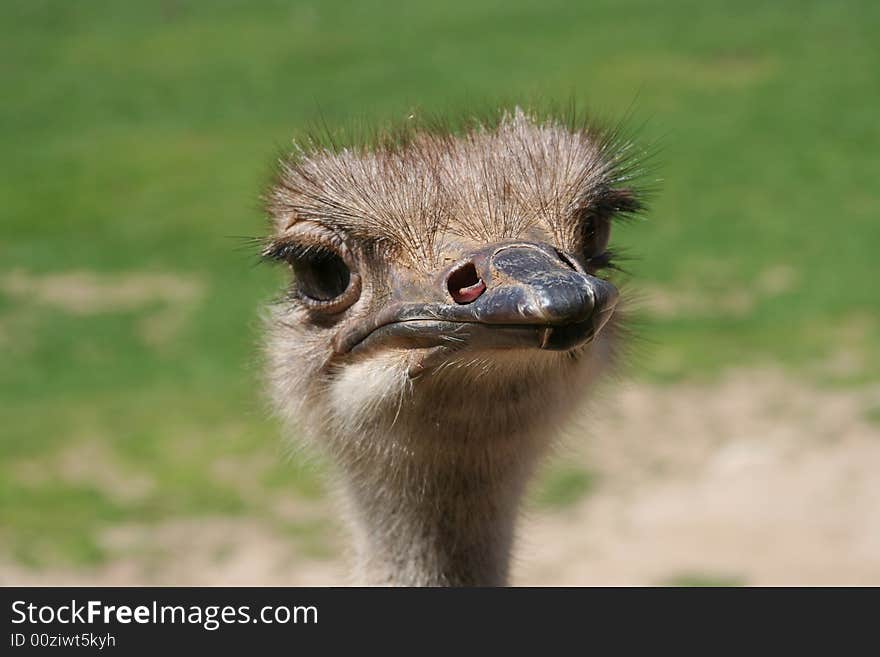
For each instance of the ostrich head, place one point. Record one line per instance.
(449, 306)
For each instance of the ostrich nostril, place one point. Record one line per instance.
(464, 284)
(566, 259)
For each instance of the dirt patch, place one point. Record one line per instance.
(690, 301)
(723, 70)
(203, 552)
(758, 479)
(169, 296)
(89, 463)
(87, 293)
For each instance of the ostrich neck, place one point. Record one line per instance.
(445, 518)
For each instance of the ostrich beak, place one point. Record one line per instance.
(511, 295)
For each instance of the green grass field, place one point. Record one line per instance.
(137, 138)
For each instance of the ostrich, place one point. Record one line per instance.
(449, 307)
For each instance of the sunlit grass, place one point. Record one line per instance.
(561, 487)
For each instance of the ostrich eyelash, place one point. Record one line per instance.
(287, 251)
(604, 260)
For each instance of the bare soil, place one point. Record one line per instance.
(170, 298)
(758, 479)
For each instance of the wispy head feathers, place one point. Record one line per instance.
(411, 187)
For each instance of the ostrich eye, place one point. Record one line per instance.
(324, 276)
(321, 275)
(596, 232)
(595, 223)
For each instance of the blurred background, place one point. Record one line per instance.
(742, 446)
